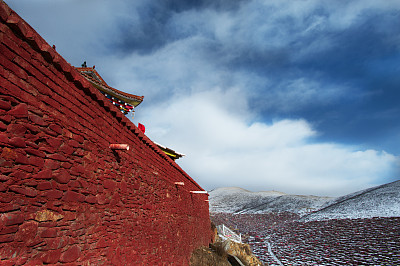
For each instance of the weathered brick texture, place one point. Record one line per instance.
(65, 197)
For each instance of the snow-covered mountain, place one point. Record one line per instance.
(238, 200)
(380, 201)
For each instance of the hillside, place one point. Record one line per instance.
(380, 201)
(238, 200)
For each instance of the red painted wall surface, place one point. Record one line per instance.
(65, 197)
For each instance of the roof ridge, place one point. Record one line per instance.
(82, 70)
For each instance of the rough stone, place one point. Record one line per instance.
(17, 142)
(62, 177)
(73, 196)
(51, 164)
(36, 161)
(11, 219)
(5, 105)
(19, 111)
(27, 231)
(29, 192)
(52, 256)
(37, 120)
(54, 194)
(45, 174)
(47, 215)
(16, 129)
(71, 255)
(49, 233)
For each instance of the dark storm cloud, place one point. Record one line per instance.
(312, 60)
(151, 29)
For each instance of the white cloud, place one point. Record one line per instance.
(224, 149)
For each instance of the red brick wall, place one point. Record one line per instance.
(64, 195)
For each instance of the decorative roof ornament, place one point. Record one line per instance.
(124, 101)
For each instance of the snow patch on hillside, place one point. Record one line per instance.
(380, 201)
(238, 200)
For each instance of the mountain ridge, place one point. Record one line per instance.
(378, 201)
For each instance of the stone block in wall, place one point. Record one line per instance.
(19, 111)
(4, 105)
(29, 192)
(44, 174)
(52, 256)
(17, 142)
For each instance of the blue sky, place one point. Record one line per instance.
(297, 96)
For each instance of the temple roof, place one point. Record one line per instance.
(94, 77)
(174, 155)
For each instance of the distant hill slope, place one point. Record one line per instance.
(238, 200)
(380, 201)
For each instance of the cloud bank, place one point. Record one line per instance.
(223, 149)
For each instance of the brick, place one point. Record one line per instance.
(74, 184)
(17, 142)
(54, 142)
(45, 174)
(101, 199)
(6, 118)
(26, 168)
(37, 120)
(6, 239)
(49, 233)
(4, 178)
(19, 111)
(3, 127)
(91, 199)
(52, 256)
(78, 138)
(109, 184)
(62, 177)
(5, 105)
(6, 197)
(27, 231)
(12, 219)
(21, 159)
(67, 149)
(32, 144)
(37, 161)
(57, 157)
(45, 185)
(47, 215)
(9, 154)
(73, 196)
(71, 255)
(51, 164)
(29, 192)
(77, 170)
(8, 230)
(35, 152)
(66, 165)
(47, 149)
(5, 12)
(54, 194)
(55, 243)
(18, 175)
(32, 128)
(4, 138)
(56, 128)
(16, 129)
